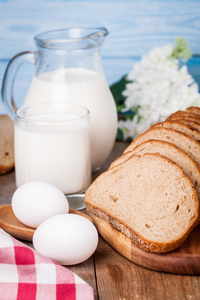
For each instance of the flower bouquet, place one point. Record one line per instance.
(158, 85)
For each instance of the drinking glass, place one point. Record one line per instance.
(52, 144)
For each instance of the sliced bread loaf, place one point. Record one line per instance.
(182, 159)
(178, 139)
(149, 199)
(187, 118)
(188, 122)
(194, 109)
(6, 144)
(194, 133)
(184, 115)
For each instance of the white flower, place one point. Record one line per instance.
(158, 87)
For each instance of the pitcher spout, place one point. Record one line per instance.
(97, 37)
(69, 39)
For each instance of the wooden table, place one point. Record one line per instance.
(112, 276)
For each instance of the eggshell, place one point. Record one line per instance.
(67, 239)
(36, 201)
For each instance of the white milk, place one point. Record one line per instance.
(86, 88)
(58, 154)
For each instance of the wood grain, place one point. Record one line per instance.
(114, 277)
(184, 260)
(129, 281)
(86, 271)
(135, 28)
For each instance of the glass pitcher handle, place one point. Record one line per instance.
(9, 77)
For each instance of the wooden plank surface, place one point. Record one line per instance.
(113, 276)
(184, 260)
(135, 28)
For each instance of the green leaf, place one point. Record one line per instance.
(120, 136)
(117, 89)
(120, 107)
(181, 49)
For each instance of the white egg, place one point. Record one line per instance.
(67, 239)
(35, 201)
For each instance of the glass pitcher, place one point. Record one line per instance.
(68, 68)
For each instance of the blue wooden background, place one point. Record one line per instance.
(135, 28)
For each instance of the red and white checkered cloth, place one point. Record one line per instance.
(27, 275)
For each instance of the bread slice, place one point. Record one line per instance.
(194, 109)
(183, 114)
(6, 144)
(149, 199)
(192, 132)
(187, 118)
(178, 139)
(188, 122)
(182, 159)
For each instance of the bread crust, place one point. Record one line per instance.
(100, 202)
(177, 138)
(7, 144)
(189, 130)
(135, 237)
(187, 118)
(117, 223)
(181, 113)
(194, 109)
(190, 123)
(168, 150)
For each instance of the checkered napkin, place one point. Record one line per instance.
(27, 275)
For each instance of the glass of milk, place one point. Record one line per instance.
(52, 144)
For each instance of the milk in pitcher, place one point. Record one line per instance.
(86, 88)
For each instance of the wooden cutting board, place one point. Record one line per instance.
(184, 260)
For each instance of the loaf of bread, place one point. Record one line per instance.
(184, 115)
(178, 139)
(151, 192)
(6, 144)
(187, 118)
(149, 199)
(190, 123)
(192, 132)
(168, 150)
(194, 109)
